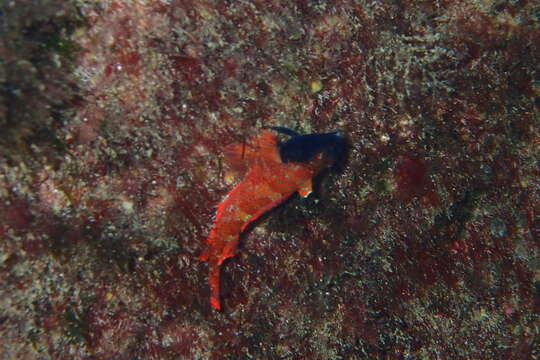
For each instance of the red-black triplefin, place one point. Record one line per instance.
(275, 172)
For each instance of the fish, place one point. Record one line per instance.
(275, 171)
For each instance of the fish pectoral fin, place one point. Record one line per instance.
(306, 189)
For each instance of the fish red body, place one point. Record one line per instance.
(269, 181)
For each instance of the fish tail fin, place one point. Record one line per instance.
(207, 253)
(213, 281)
(204, 255)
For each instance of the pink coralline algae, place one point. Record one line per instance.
(114, 114)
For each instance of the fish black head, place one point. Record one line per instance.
(304, 148)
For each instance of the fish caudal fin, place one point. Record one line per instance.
(205, 254)
(213, 281)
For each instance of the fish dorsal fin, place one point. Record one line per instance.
(242, 155)
(267, 146)
(236, 156)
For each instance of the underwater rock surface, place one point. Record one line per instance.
(113, 117)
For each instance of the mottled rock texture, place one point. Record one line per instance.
(113, 115)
